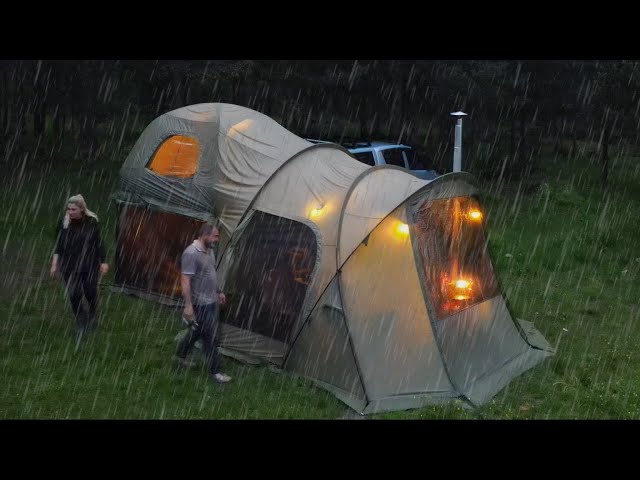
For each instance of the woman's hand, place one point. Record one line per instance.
(54, 266)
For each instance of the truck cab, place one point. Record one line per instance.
(384, 153)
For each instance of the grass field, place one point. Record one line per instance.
(565, 254)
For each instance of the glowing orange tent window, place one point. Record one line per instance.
(176, 157)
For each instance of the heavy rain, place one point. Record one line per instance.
(409, 240)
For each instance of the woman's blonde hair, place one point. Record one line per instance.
(79, 201)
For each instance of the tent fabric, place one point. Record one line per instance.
(371, 198)
(387, 316)
(323, 350)
(239, 150)
(373, 283)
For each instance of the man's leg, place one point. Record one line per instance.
(210, 332)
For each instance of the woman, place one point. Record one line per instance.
(79, 257)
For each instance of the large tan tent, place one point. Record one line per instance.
(373, 283)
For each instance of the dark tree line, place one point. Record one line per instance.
(98, 107)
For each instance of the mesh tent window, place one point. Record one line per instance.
(267, 282)
(149, 248)
(450, 238)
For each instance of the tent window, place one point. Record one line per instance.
(453, 248)
(176, 157)
(149, 248)
(267, 281)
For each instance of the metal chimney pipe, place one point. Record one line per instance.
(457, 146)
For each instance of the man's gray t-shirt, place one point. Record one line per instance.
(200, 265)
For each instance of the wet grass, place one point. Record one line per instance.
(565, 254)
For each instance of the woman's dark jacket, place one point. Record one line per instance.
(79, 246)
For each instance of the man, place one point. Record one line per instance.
(202, 298)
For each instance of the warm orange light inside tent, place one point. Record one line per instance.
(176, 157)
(475, 215)
(462, 289)
(317, 212)
(402, 229)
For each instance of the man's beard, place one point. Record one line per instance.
(212, 245)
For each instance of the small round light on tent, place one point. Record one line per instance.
(316, 212)
(402, 229)
(475, 215)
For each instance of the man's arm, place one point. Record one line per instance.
(188, 266)
(185, 282)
